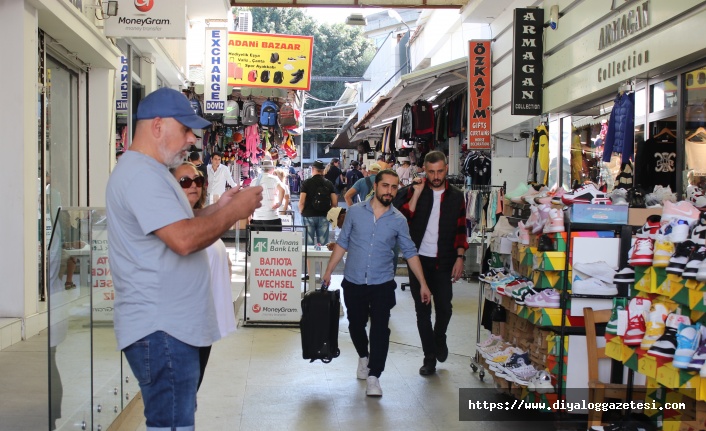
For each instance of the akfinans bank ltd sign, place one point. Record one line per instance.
(148, 19)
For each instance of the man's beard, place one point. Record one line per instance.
(438, 182)
(171, 160)
(385, 202)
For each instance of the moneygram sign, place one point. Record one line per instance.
(148, 19)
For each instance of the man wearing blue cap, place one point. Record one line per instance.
(164, 309)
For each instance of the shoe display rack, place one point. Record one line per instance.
(667, 383)
(543, 332)
(624, 233)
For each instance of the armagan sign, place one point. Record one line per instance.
(479, 89)
(528, 28)
(215, 70)
(165, 19)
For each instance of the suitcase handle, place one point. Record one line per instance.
(324, 286)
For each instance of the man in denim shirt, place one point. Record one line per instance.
(369, 234)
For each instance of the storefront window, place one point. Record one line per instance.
(663, 95)
(552, 178)
(695, 132)
(566, 145)
(588, 132)
(58, 155)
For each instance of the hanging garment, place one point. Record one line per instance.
(406, 124)
(539, 152)
(656, 164)
(492, 210)
(696, 154)
(576, 159)
(423, 115)
(477, 167)
(252, 140)
(621, 129)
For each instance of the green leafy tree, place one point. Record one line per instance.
(339, 50)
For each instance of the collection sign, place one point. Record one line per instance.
(479, 74)
(269, 60)
(215, 68)
(148, 19)
(527, 68)
(624, 25)
(274, 281)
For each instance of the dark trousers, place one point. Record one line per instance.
(439, 283)
(274, 225)
(374, 301)
(204, 354)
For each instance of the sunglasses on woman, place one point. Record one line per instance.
(185, 182)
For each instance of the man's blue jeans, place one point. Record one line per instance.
(168, 373)
(316, 230)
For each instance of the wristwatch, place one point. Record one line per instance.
(461, 256)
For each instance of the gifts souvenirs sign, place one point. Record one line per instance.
(269, 60)
(528, 28)
(479, 95)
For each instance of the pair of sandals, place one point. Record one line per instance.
(69, 286)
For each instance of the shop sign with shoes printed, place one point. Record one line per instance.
(269, 60)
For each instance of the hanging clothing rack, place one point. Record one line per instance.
(484, 189)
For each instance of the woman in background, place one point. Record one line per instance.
(192, 182)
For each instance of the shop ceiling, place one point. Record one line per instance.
(472, 11)
(442, 81)
(395, 4)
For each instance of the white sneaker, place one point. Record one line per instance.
(362, 372)
(599, 270)
(592, 286)
(373, 389)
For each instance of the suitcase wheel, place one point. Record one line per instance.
(326, 360)
(338, 353)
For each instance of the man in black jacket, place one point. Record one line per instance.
(436, 213)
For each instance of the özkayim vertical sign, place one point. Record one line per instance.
(121, 86)
(528, 28)
(215, 67)
(479, 95)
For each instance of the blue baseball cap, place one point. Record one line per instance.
(168, 103)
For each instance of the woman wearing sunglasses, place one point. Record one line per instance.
(192, 182)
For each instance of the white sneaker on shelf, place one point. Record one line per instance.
(373, 389)
(592, 286)
(600, 270)
(362, 372)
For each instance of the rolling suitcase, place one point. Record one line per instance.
(319, 324)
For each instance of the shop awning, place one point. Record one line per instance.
(422, 84)
(329, 118)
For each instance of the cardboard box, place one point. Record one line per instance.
(520, 210)
(603, 214)
(507, 209)
(638, 216)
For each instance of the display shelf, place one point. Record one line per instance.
(661, 370)
(558, 239)
(549, 279)
(549, 261)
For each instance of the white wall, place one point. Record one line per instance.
(18, 120)
(101, 134)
